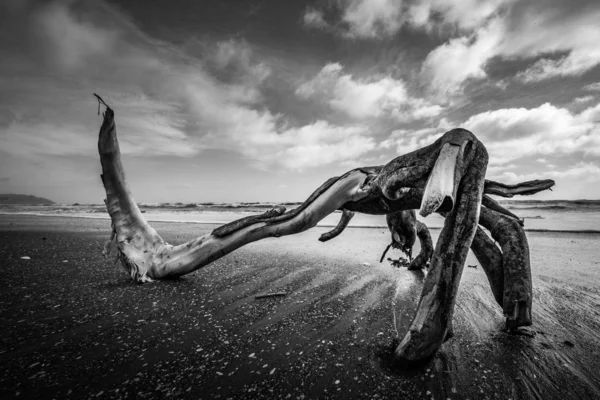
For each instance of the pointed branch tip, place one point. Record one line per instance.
(101, 101)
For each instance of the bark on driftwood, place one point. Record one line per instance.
(517, 290)
(346, 217)
(405, 228)
(446, 176)
(514, 267)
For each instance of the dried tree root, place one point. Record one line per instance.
(492, 204)
(517, 292)
(387, 248)
(347, 215)
(433, 319)
(446, 176)
(270, 295)
(522, 189)
(146, 256)
(490, 258)
(405, 228)
(421, 260)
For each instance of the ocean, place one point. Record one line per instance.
(553, 215)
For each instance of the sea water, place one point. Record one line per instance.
(555, 215)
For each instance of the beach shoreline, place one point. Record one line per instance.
(327, 223)
(76, 326)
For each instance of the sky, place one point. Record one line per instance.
(231, 101)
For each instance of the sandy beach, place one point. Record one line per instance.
(75, 326)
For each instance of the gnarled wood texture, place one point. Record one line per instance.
(517, 289)
(405, 228)
(446, 176)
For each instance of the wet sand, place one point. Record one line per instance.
(75, 326)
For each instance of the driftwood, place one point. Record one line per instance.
(346, 217)
(269, 295)
(446, 176)
(517, 289)
(508, 262)
(405, 228)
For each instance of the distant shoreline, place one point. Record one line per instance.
(200, 222)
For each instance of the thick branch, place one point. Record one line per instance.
(490, 258)
(523, 188)
(433, 320)
(446, 177)
(517, 297)
(146, 256)
(493, 205)
(405, 228)
(137, 241)
(344, 221)
(421, 260)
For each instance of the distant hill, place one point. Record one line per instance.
(24, 199)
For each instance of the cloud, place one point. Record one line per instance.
(314, 18)
(515, 133)
(365, 98)
(583, 99)
(142, 131)
(586, 172)
(73, 41)
(371, 18)
(378, 19)
(211, 100)
(559, 39)
(555, 38)
(237, 59)
(457, 15)
(321, 144)
(448, 66)
(576, 63)
(405, 141)
(592, 87)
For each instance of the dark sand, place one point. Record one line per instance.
(75, 326)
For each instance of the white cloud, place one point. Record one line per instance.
(515, 133)
(320, 144)
(371, 18)
(562, 39)
(405, 141)
(314, 18)
(366, 98)
(448, 66)
(212, 102)
(463, 15)
(576, 63)
(374, 19)
(557, 38)
(582, 171)
(583, 99)
(144, 127)
(238, 55)
(592, 87)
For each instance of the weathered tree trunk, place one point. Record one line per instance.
(446, 176)
(517, 290)
(405, 228)
(490, 258)
(436, 307)
(421, 260)
(344, 221)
